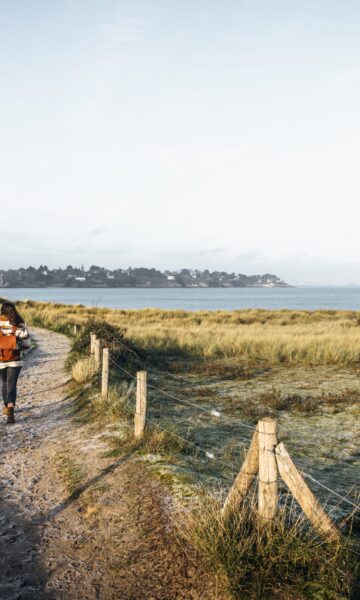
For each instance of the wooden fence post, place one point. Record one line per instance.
(75, 329)
(303, 494)
(141, 402)
(105, 373)
(92, 344)
(97, 353)
(244, 479)
(268, 471)
(270, 459)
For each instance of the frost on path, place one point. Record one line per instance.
(26, 493)
(76, 523)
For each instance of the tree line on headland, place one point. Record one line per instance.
(132, 277)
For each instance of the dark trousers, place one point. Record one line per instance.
(9, 377)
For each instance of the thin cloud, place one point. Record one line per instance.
(97, 231)
(248, 256)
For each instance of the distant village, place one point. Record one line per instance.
(131, 277)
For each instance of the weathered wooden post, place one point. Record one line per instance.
(268, 471)
(75, 329)
(271, 460)
(245, 478)
(92, 344)
(105, 373)
(141, 402)
(297, 486)
(97, 353)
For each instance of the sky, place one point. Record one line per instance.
(194, 134)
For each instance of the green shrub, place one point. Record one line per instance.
(112, 337)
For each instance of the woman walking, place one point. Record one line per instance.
(14, 337)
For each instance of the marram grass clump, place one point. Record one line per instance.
(260, 562)
(83, 370)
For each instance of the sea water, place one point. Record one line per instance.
(305, 298)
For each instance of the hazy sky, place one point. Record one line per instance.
(199, 134)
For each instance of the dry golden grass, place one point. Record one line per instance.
(259, 562)
(83, 370)
(292, 337)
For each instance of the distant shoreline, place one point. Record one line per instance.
(139, 277)
(290, 298)
(145, 287)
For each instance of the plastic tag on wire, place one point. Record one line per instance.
(215, 413)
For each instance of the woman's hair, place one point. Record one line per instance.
(9, 310)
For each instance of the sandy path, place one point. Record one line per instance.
(73, 523)
(40, 418)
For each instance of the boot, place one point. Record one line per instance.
(10, 416)
(5, 411)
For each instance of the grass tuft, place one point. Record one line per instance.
(83, 370)
(258, 562)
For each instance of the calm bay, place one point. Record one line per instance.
(299, 298)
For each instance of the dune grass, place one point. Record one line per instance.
(284, 560)
(288, 560)
(83, 370)
(272, 337)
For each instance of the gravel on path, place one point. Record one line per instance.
(76, 524)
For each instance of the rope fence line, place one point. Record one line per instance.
(218, 414)
(211, 412)
(214, 412)
(182, 438)
(198, 448)
(211, 455)
(264, 443)
(116, 364)
(175, 435)
(118, 340)
(307, 463)
(308, 476)
(188, 442)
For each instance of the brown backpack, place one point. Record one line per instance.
(8, 347)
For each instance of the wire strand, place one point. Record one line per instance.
(182, 400)
(121, 368)
(216, 413)
(212, 412)
(308, 476)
